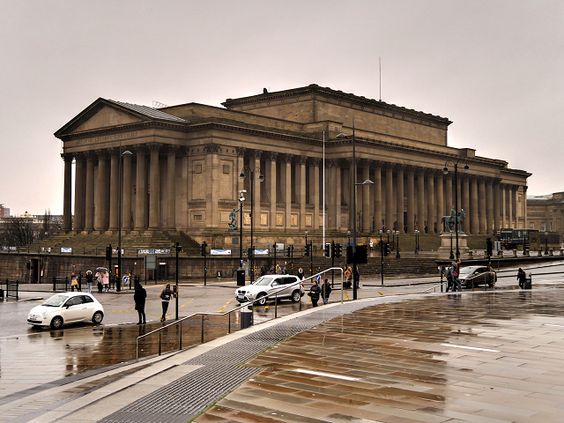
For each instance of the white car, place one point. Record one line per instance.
(269, 284)
(67, 307)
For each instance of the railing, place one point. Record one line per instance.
(12, 289)
(172, 336)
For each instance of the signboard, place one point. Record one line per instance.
(280, 247)
(220, 252)
(148, 251)
(66, 250)
(151, 261)
(261, 251)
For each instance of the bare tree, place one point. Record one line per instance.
(17, 231)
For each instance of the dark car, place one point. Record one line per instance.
(473, 276)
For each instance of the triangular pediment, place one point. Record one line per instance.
(101, 114)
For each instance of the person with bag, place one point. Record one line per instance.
(348, 278)
(325, 291)
(521, 278)
(314, 293)
(89, 280)
(74, 282)
(450, 279)
(455, 274)
(166, 296)
(139, 296)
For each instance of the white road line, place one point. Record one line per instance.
(554, 326)
(469, 348)
(331, 375)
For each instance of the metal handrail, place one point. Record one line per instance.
(248, 304)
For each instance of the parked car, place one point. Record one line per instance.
(473, 276)
(67, 307)
(269, 284)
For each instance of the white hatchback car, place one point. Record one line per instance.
(286, 286)
(67, 307)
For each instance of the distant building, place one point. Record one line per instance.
(546, 212)
(4, 211)
(182, 169)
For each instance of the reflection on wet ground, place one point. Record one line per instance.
(45, 356)
(481, 357)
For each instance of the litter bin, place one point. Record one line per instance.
(246, 317)
(528, 283)
(240, 277)
(1, 295)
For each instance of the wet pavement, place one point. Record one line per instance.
(478, 356)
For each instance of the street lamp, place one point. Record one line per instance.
(416, 241)
(120, 213)
(445, 171)
(241, 203)
(382, 255)
(546, 243)
(251, 215)
(397, 245)
(451, 256)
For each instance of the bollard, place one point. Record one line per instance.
(246, 317)
(1, 294)
(528, 282)
(240, 277)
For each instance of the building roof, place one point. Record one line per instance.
(150, 112)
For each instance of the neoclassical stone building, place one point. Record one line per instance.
(184, 170)
(547, 213)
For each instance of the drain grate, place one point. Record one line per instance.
(222, 371)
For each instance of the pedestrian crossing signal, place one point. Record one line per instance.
(338, 250)
(327, 250)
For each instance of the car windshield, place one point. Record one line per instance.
(55, 300)
(467, 270)
(263, 281)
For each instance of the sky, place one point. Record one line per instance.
(495, 68)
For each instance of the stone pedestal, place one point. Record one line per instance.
(444, 249)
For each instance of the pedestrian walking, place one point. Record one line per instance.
(314, 293)
(521, 278)
(74, 282)
(450, 279)
(325, 291)
(139, 296)
(106, 281)
(79, 278)
(348, 277)
(455, 274)
(89, 280)
(166, 296)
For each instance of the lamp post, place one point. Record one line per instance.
(241, 203)
(416, 241)
(120, 213)
(445, 171)
(546, 243)
(251, 215)
(397, 245)
(451, 256)
(382, 256)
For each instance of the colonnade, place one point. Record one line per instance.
(404, 198)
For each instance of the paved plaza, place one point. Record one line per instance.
(484, 356)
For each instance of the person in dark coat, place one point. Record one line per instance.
(139, 296)
(521, 278)
(325, 291)
(314, 293)
(166, 296)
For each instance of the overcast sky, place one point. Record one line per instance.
(495, 68)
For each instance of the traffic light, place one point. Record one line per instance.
(349, 254)
(338, 250)
(387, 249)
(109, 252)
(307, 250)
(489, 247)
(203, 248)
(327, 250)
(249, 252)
(361, 254)
(177, 247)
(288, 252)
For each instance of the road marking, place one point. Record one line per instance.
(223, 307)
(331, 375)
(554, 326)
(469, 348)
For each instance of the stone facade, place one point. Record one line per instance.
(184, 169)
(546, 213)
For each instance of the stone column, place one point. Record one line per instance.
(448, 194)
(316, 197)
(489, 206)
(421, 201)
(440, 202)
(510, 206)
(430, 191)
(101, 195)
(89, 197)
(330, 192)
(154, 188)
(67, 193)
(390, 206)
(377, 196)
(211, 175)
(338, 196)
(482, 198)
(171, 188)
(114, 190)
(288, 192)
(465, 205)
(525, 220)
(273, 183)
(79, 193)
(497, 205)
(400, 198)
(503, 195)
(410, 201)
(141, 191)
(474, 221)
(127, 184)
(366, 212)
(302, 190)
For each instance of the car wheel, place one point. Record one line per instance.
(261, 299)
(97, 318)
(57, 322)
(296, 296)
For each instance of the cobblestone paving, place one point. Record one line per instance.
(483, 357)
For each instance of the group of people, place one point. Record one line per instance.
(101, 278)
(140, 298)
(452, 272)
(316, 292)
